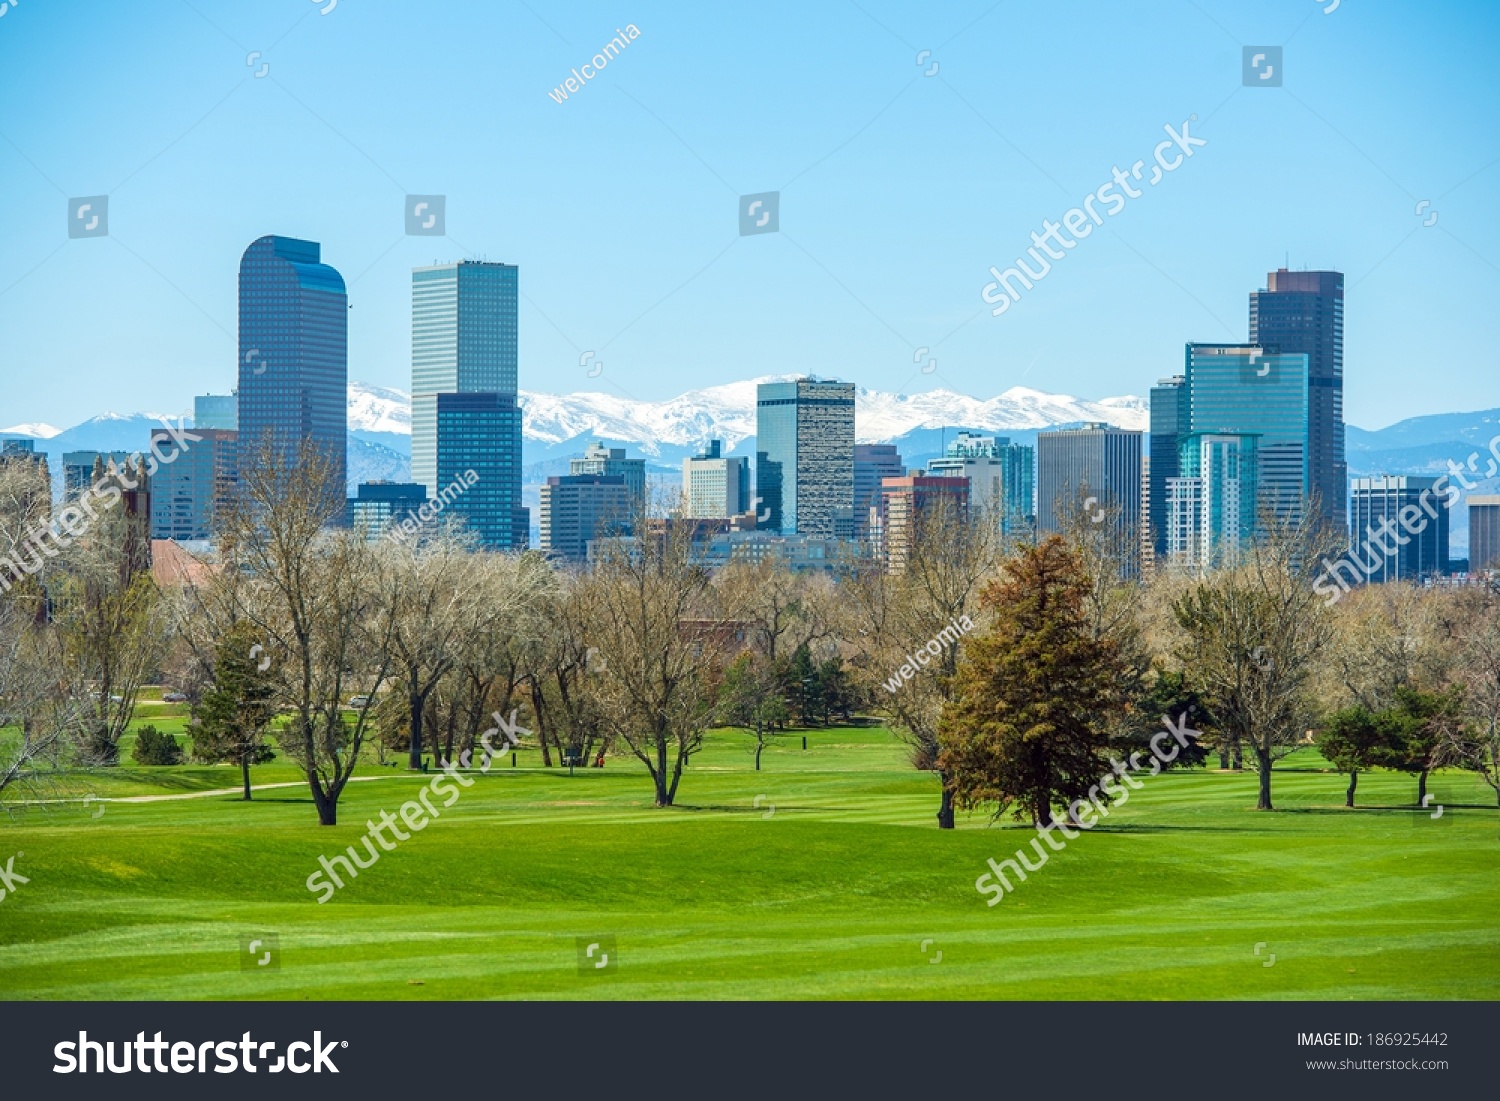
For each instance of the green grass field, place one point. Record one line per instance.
(845, 890)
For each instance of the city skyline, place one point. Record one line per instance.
(875, 270)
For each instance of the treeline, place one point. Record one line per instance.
(307, 639)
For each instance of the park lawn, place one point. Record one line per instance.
(835, 883)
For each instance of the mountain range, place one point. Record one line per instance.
(556, 427)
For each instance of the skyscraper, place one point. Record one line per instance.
(1169, 424)
(463, 340)
(217, 411)
(1390, 546)
(1096, 461)
(464, 411)
(294, 353)
(598, 459)
(804, 459)
(1303, 312)
(1241, 389)
(873, 462)
(189, 494)
(1001, 478)
(377, 507)
(479, 467)
(1211, 501)
(581, 507)
(909, 499)
(715, 486)
(1484, 532)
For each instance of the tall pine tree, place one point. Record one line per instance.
(229, 723)
(1026, 729)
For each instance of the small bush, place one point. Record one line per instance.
(152, 747)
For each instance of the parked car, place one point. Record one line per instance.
(359, 703)
(173, 697)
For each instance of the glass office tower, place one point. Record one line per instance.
(294, 354)
(1303, 312)
(1097, 460)
(804, 459)
(1211, 501)
(220, 411)
(1240, 389)
(1390, 546)
(464, 414)
(479, 467)
(463, 341)
(1169, 424)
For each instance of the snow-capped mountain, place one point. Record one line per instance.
(379, 409)
(37, 431)
(728, 413)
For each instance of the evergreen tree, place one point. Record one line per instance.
(1417, 727)
(1352, 740)
(229, 723)
(1026, 728)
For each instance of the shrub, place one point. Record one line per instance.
(152, 747)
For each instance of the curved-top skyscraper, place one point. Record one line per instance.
(294, 352)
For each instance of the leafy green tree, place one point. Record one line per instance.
(152, 747)
(1351, 741)
(1026, 726)
(229, 723)
(1419, 725)
(1167, 694)
(801, 687)
(751, 697)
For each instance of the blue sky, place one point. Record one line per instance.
(898, 190)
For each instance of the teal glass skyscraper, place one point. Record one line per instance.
(1211, 501)
(294, 354)
(1240, 389)
(804, 457)
(465, 416)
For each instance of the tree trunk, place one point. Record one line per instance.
(662, 798)
(245, 772)
(1422, 788)
(1349, 796)
(414, 702)
(328, 808)
(539, 708)
(760, 743)
(1263, 757)
(945, 808)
